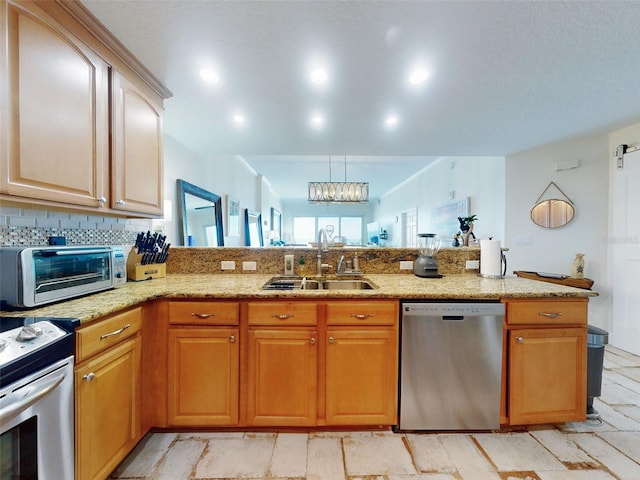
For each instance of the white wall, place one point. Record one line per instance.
(553, 250)
(479, 178)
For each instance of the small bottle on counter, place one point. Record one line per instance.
(578, 266)
(356, 263)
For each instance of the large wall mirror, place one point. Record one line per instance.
(200, 215)
(253, 229)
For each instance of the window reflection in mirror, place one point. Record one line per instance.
(253, 229)
(552, 213)
(200, 215)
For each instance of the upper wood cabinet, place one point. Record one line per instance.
(136, 178)
(62, 87)
(55, 120)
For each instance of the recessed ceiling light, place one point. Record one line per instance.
(239, 119)
(391, 121)
(319, 76)
(209, 76)
(418, 76)
(317, 120)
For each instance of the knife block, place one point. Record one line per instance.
(138, 272)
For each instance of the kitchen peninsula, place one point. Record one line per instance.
(214, 350)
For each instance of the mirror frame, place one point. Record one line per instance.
(184, 188)
(247, 233)
(550, 221)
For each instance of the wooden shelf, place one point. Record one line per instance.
(585, 283)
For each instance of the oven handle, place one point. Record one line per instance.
(32, 396)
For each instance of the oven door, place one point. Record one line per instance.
(36, 418)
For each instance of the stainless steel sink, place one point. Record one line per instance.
(301, 283)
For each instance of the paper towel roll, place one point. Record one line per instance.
(490, 258)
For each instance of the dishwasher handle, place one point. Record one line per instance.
(452, 317)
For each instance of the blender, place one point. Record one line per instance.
(425, 265)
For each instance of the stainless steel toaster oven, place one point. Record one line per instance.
(34, 276)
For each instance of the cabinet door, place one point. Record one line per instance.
(361, 377)
(282, 377)
(136, 176)
(107, 409)
(203, 376)
(547, 375)
(56, 129)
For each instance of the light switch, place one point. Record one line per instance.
(406, 265)
(472, 264)
(228, 265)
(249, 266)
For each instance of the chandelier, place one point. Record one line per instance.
(338, 192)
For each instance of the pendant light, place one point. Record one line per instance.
(338, 192)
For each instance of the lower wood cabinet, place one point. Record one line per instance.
(107, 409)
(547, 375)
(361, 376)
(282, 376)
(547, 360)
(203, 376)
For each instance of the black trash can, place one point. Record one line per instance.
(597, 338)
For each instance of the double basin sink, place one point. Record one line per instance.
(304, 283)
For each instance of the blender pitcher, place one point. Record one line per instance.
(425, 265)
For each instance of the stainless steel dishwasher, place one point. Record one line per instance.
(450, 366)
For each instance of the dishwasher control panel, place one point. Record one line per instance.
(459, 309)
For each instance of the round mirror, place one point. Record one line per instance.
(552, 213)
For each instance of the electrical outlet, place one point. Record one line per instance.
(472, 264)
(524, 239)
(228, 265)
(406, 265)
(249, 266)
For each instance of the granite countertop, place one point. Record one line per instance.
(229, 286)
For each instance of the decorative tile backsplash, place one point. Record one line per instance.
(27, 226)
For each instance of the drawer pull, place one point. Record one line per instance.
(550, 315)
(232, 339)
(203, 315)
(117, 332)
(520, 339)
(282, 316)
(89, 377)
(332, 340)
(361, 316)
(312, 340)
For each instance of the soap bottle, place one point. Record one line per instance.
(356, 263)
(578, 266)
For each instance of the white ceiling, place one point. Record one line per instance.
(505, 76)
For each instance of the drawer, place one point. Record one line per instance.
(547, 312)
(204, 313)
(283, 313)
(106, 332)
(362, 313)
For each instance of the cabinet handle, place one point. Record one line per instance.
(361, 316)
(520, 339)
(120, 202)
(332, 340)
(117, 332)
(203, 315)
(102, 201)
(89, 377)
(282, 316)
(312, 341)
(232, 339)
(550, 315)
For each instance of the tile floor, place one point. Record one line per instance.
(576, 451)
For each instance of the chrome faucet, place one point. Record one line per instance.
(323, 246)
